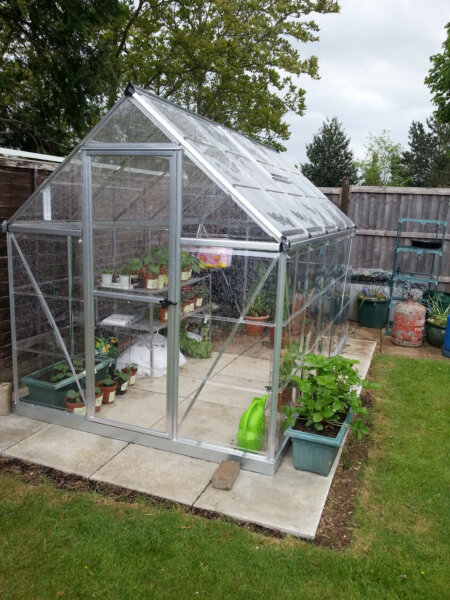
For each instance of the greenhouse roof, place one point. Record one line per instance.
(251, 177)
(260, 179)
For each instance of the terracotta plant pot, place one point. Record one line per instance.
(285, 336)
(284, 398)
(163, 314)
(186, 274)
(108, 392)
(256, 328)
(79, 408)
(122, 387)
(198, 301)
(131, 375)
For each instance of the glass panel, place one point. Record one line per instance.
(128, 124)
(209, 211)
(130, 202)
(228, 362)
(59, 202)
(43, 371)
(136, 339)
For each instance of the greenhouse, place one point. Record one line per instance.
(168, 273)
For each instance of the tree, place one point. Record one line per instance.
(438, 80)
(382, 164)
(330, 156)
(427, 162)
(56, 66)
(233, 61)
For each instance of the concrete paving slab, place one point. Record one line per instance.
(163, 474)
(67, 450)
(245, 366)
(14, 429)
(213, 423)
(291, 501)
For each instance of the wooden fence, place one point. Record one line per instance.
(18, 179)
(375, 212)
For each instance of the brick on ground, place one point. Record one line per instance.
(225, 475)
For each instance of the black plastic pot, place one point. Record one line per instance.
(372, 313)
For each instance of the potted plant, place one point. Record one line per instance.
(135, 269)
(151, 271)
(163, 258)
(75, 404)
(189, 264)
(202, 294)
(124, 278)
(195, 348)
(373, 307)
(328, 404)
(108, 388)
(259, 310)
(107, 276)
(131, 371)
(122, 382)
(436, 320)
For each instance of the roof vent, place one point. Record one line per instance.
(280, 178)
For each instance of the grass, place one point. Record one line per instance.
(68, 544)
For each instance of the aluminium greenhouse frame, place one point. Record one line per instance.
(169, 441)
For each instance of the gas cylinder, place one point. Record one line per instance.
(409, 322)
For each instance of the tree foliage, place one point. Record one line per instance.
(427, 161)
(382, 164)
(438, 80)
(330, 156)
(231, 60)
(56, 65)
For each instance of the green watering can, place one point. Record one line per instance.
(252, 425)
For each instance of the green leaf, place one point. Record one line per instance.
(317, 417)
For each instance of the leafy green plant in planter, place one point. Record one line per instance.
(328, 403)
(289, 365)
(62, 372)
(373, 306)
(436, 320)
(192, 347)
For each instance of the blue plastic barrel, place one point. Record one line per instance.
(446, 344)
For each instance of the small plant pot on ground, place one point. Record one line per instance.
(316, 453)
(256, 327)
(77, 406)
(108, 391)
(434, 334)
(163, 312)
(132, 373)
(372, 313)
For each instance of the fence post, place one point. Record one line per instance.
(344, 198)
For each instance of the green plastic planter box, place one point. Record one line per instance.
(50, 394)
(316, 453)
(373, 313)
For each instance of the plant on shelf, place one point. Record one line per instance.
(107, 276)
(328, 404)
(373, 305)
(125, 278)
(151, 270)
(260, 308)
(162, 255)
(436, 320)
(108, 387)
(189, 264)
(122, 381)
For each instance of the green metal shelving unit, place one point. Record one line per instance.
(429, 278)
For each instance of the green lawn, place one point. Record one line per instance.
(68, 544)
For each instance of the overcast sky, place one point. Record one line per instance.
(373, 59)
